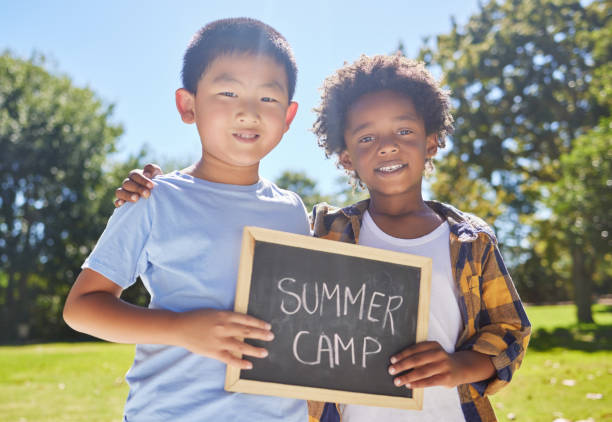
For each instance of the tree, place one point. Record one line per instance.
(527, 79)
(304, 186)
(55, 196)
(581, 200)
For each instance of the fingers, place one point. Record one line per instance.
(422, 365)
(433, 373)
(416, 349)
(137, 184)
(126, 196)
(242, 348)
(219, 334)
(151, 170)
(229, 359)
(139, 179)
(248, 320)
(122, 196)
(246, 331)
(235, 347)
(433, 381)
(135, 189)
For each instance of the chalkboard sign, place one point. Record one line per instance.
(338, 312)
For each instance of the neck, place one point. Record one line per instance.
(390, 206)
(214, 170)
(403, 216)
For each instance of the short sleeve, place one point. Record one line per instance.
(305, 227)
(120, 254)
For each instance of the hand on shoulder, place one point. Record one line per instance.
(137, 185)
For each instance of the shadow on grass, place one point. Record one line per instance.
(585, 337)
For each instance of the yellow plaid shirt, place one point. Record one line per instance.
(494, 320)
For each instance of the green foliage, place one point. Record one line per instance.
(55, 196)
(528, 78)
(304, 186)
(348, 192)
(584, 189)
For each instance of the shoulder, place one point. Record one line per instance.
(169, 182)
(328, 219)
(175, 188)
(270, 191)
(467, 227)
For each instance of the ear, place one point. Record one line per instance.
(185, 104)
(290, 114)
(345, 160)
(431, 148)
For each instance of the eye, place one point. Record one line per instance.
(228, 94)
(366, 139)
(404, 132)
(268, 100)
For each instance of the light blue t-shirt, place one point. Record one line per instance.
(184, 243)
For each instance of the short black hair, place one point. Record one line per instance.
(236, 35)
(380, 73)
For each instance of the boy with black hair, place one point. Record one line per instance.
(384, 118)
(184, 242)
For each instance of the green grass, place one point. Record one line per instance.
(561, 350)
(84, 381)
(64, 382)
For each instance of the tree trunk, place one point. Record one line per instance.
(582, 285)
(7, 323)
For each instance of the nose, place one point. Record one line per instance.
(248, 114)
(387, 146)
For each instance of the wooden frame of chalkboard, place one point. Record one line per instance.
(273, 261)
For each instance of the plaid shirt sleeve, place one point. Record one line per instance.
(497, 324)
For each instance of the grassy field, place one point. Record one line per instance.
(567, 373)
(566, 376)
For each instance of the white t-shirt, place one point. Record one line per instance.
(445, 325)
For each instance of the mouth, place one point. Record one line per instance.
(247, 137)
(389, 168)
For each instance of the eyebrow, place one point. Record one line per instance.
(227, 77)
(275, 85)
(403, 117)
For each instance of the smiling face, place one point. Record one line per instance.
(241, 110)
(387, 144)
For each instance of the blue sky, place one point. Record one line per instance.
(130, 52)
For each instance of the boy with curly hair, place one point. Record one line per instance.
(384, 118)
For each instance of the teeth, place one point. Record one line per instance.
(389, 169)
(246, 135)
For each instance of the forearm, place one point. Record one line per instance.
(93, 306)
(472, 366)
(504, 335)
(103, 315)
